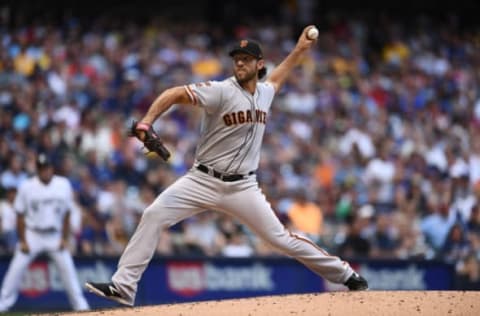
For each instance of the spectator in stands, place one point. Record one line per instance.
(468, 273)
(202, 236)
(385, 238)
(237, 245)
(473, 224)
(436, 225)
(354, 244)
(457, 245)
(305, 216)
(116, 233)
(14, 175)
(462, 195)
(411, 241)
(380, 177)
(93, 238)
(8, 222)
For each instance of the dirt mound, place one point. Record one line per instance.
(411, 303)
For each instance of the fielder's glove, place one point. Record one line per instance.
(151, 141)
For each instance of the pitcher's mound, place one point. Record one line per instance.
(381, 303)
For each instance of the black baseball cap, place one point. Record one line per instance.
(43, 161)
(248, 47)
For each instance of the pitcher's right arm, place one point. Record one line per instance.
(280, 73)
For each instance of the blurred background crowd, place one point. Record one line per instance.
(371, 149)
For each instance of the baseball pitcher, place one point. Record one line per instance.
(43, 205)
(223, 175)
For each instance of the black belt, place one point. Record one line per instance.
(44, 230)
(222, 176)
(48, 230)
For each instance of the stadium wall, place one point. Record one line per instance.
(172, 280)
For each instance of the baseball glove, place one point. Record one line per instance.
(151, 141)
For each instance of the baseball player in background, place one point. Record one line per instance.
(223, 175)
(43, 204)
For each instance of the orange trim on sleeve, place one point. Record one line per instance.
(191, 94)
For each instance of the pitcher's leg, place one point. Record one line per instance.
(184, 198)
(12, 279)
(64, 263)
(251, 207)
(141, 247)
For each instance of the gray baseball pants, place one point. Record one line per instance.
(196, 192)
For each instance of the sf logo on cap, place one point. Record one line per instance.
(243, 43)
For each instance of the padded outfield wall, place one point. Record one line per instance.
(171, 280)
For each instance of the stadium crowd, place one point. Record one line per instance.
(370, 149)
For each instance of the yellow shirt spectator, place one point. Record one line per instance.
(44, 62)
(208, 67)
(396, 52)
(24, 64)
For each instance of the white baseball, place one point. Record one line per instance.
(312, 33)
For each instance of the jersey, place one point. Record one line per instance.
(233, 124)
(44, 205)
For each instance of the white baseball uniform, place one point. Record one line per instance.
(223, 178)
(44, 207)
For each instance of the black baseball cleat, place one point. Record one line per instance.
(356, 283)
(107, 290)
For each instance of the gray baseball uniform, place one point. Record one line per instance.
(223, 179)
